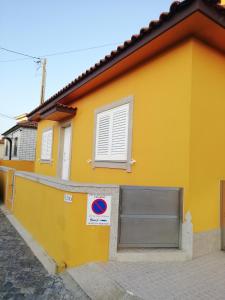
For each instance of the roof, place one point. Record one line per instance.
(58, 112)
(212, 8)
(26, 124)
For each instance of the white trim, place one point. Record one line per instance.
(60, 147)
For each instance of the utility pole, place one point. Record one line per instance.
(43, 80)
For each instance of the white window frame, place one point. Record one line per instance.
(126, 164)
(17, 146)
(46, 160)
(6, 154)
(63, 125)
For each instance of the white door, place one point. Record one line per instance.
(66, 153)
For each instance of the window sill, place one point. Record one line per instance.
(112, 165)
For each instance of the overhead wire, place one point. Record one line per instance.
(6, 116)
(39, 59)
(53, 54)
(19, 53)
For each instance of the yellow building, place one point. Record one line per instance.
(144, 126)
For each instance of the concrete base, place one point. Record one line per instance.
(48, 263)
(151, 255)
(97, 285)
(206, 242)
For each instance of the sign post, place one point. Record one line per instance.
(98, 210)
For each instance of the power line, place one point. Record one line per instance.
(79, 50)
(56, 53)
(19, 53)
(6, 116)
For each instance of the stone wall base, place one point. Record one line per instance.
(206, 242)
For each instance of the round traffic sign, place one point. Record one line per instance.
(99, 206)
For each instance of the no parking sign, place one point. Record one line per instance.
(98, 210)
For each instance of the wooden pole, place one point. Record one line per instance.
(43, 80)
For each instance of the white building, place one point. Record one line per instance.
(20, 140)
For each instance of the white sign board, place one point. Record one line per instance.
(98, 210)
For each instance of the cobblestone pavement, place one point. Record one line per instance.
(201, 278)
(21, 274)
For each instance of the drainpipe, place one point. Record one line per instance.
(10, 146)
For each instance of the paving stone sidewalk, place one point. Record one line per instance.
(22, 276)
(202, 278)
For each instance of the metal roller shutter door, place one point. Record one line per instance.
(150, 217)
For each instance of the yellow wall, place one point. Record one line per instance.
(58, 226)
(3, 182)
(161, 90)
(207, 151)
(20, 165)
(6, 187)
(179, 126)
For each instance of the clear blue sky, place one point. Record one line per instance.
(42, 27)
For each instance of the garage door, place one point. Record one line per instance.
(150, 217)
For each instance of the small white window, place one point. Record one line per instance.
(112, 134)
(46, 144)
(6, 148)
(15, 149)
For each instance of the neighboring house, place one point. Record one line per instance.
(2, 147)
(149, 117)
(20, 140)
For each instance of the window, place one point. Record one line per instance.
(15, 146)
(113, 134)
(6, 148)
(46, 145)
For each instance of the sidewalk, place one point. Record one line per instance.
(21, 274)
(200, 279)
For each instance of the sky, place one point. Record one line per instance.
(43, 27)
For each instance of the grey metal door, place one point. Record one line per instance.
(150, 216)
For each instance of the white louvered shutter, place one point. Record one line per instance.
(119, 139)
(112, 134)
(46, 146)
(103, 130)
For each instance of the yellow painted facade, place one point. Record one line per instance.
(178, 125)
(207, 142)
(58, 226)
(178, 141)
(20, 165)
(6, 187)
(160, 147)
